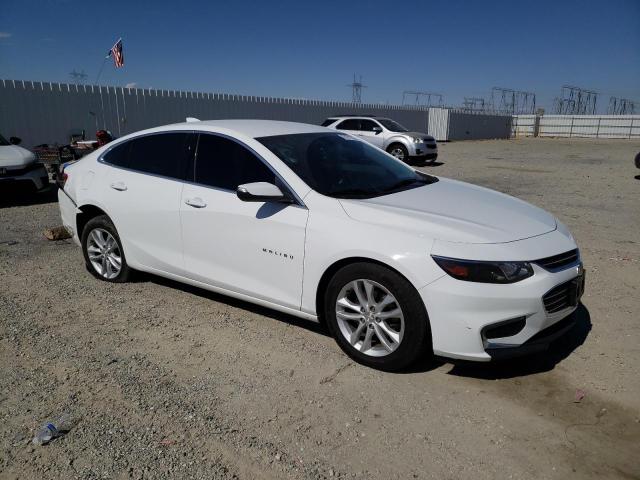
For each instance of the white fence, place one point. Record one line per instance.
(589, 126)
(43, 112)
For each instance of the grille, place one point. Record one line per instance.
(564, 295)
(559, 262)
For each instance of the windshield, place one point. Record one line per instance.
(340, 166)
(3, 142)
(391, 125)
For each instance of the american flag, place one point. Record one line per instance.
(118, 56)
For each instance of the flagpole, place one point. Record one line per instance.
(101, 68)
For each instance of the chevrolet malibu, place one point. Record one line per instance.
(321, 225)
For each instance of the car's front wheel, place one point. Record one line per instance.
(103, 252)
(399, 151)
(377, 317)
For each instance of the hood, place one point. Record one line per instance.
(455, 212)
(418, 135)
(12, 156)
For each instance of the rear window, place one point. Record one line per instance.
(118, 155)
(328, 122)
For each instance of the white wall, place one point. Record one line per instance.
(590, 126)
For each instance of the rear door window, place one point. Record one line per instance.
(350, 124)
(164, 154)
(225, 164)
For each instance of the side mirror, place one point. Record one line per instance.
(15, 140)
(261, 192)
(377, 130)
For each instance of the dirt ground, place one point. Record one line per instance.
(169, 381)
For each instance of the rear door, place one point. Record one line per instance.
(253, 248)
(143, 197)
(371, 132)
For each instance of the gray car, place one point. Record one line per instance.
(388, 135)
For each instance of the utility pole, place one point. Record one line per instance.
(512, 102)
(622, 106)
(422, 98)
(356, 89)
(576, 101)
(78, 77)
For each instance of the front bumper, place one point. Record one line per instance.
(35, 176)
(423, 150)
(538, 343)
(460, 313)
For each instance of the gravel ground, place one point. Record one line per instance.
(165, 380)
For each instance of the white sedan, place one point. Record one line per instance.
(19, 166)
(321, 225)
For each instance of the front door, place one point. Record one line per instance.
(254, 248)
(371, 132)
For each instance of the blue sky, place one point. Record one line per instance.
(312, 49)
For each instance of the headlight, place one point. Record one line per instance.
(485, 272)
(417, 140)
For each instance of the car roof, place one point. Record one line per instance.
(253, 128)
(346, 117)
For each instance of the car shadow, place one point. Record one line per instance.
(532, 364)
(312, 326)
(637, 177)
(13, 195)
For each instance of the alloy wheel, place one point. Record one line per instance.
(369, 317)
(398, 153)
(104, 253)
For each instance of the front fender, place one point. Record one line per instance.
(398, 139)
(332, 237)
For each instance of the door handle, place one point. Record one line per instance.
(196, 202)
(120, 186)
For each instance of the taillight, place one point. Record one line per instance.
(64, 177)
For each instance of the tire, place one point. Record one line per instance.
(399, 151)
(101, 241)
(410, 333)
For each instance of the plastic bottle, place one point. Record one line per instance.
(52, 430)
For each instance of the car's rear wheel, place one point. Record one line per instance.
(103, 252)
(399, 151)
(377, 317)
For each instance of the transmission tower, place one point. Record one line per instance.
(622, 106)
(422, 98)
(576, 101)
(474, 104)
(78, 77)
(356, 89)
(512, 102)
